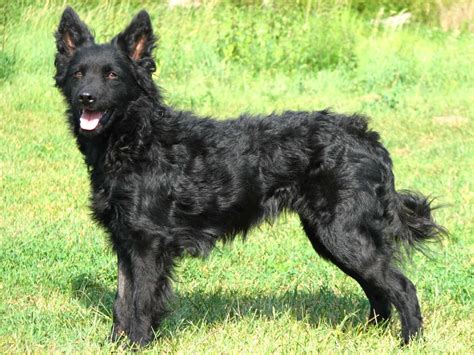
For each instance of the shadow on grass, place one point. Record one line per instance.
(322, 306)
(205, 309)
(93, 293)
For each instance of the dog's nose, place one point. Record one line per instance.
(86, 99)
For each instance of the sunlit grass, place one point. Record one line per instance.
(271, 294)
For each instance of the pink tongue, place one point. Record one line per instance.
(90, 119)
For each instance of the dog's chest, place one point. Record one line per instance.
(101, 204)
(110, 201)
(119, 201)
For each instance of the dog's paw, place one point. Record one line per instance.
(139, 338)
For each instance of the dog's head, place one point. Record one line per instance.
(99, 82)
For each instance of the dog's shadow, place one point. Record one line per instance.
(189, 309)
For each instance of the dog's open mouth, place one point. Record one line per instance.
(90, 120)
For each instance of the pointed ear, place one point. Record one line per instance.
(72, 33)
(138, 41)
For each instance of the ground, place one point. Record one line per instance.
(273, 293)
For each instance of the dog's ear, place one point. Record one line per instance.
(138, 41)
(72, 33)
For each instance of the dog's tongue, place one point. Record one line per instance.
(90, 119)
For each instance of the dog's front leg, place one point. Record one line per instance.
(151, 272)
(123, 306)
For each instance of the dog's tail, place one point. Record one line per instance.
(416, 224)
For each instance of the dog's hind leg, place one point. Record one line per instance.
(380, 306)
(361, 252)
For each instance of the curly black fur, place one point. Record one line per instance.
(166, 182)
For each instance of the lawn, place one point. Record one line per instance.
(272, 293)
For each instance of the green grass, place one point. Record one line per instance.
(271, 294)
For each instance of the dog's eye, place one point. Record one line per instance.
(112, 75)
(78, 74)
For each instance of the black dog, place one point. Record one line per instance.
(166, 183)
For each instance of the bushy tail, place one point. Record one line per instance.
(417, 224)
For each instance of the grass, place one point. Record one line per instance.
(271, 294)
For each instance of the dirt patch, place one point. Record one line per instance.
(401, 152)
(451, 121)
